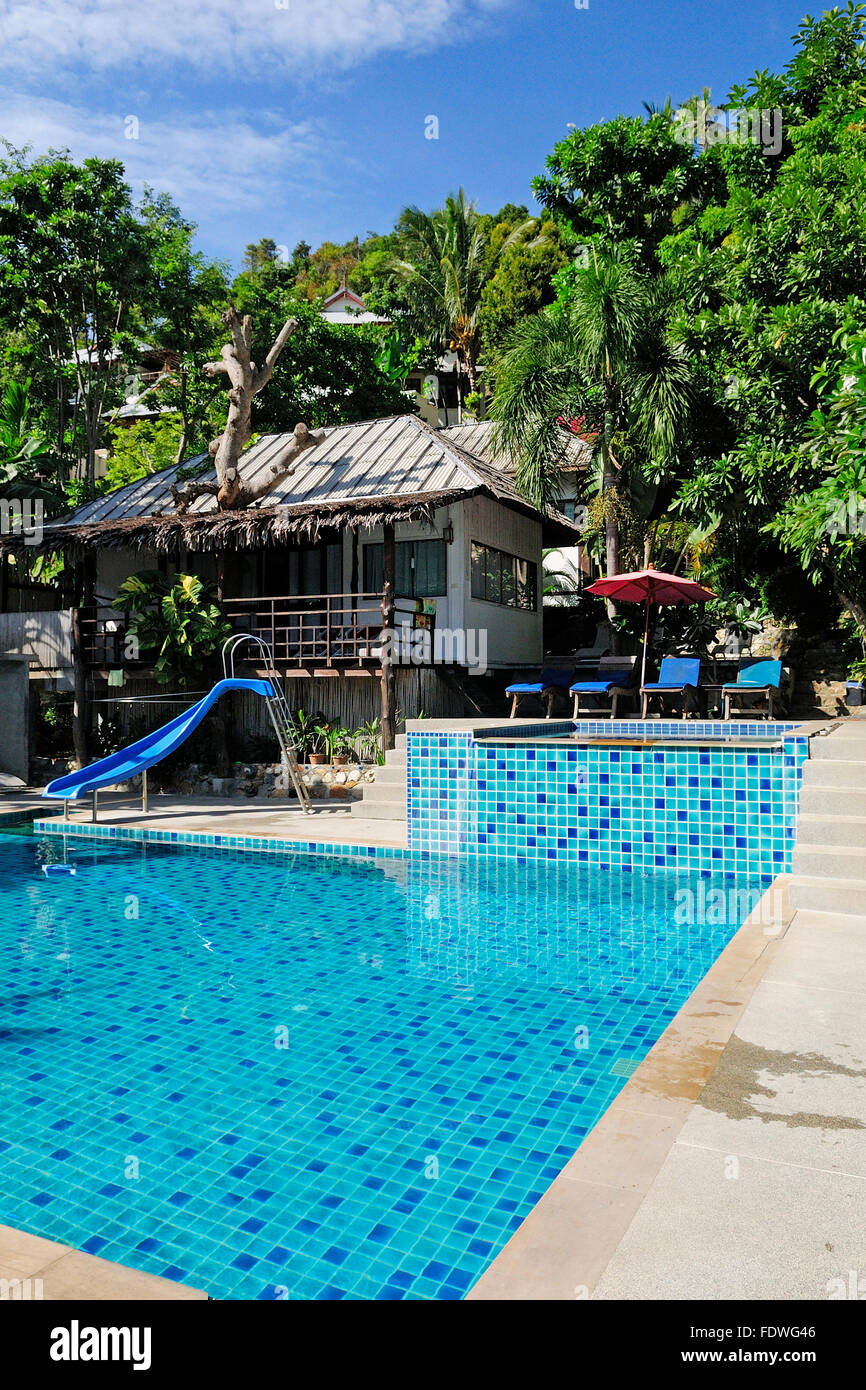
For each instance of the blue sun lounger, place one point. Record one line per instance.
(678, 676)
(550, 682)
(613, 682)
(755, 678)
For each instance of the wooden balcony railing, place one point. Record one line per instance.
(306, 632)
(313, 630)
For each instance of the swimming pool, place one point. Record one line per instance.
(276, 1075)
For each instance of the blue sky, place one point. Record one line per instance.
(306, 118)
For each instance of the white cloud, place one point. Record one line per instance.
(231, 35)
(217, 161)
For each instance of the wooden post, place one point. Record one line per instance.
(80, 703)
(389, 570)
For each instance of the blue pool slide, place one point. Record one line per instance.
(151, 749)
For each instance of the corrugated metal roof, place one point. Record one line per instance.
(476, 438)
(396, 456)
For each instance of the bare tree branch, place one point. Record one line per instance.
(182, 496)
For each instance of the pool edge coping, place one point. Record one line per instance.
(563, 1247)
(27, 1260)
(102, 830)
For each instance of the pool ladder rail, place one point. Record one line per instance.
(278, 709)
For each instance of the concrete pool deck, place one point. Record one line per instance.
(210, 815)
(732, 1163)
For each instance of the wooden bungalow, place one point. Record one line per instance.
(385, 523)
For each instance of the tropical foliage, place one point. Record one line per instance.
(176, 621)
(693, 307)
(729, 400)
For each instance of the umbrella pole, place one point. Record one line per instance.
(645, 640)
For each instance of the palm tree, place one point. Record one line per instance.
(604, 354)
(448, 260)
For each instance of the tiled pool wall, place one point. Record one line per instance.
(693, 808)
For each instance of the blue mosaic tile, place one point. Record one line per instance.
(452, 1030)
(627, 808)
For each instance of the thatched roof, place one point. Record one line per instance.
(395, 469)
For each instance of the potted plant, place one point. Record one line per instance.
(855, 686)
(318, 754)
(369, 738)
(742, 623)
(334, 744)
(304, 734)
(340, 744)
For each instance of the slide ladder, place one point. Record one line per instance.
(278, 708)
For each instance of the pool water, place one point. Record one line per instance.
(294, 1076)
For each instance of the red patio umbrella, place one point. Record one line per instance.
(649, 587)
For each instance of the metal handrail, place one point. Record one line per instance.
(277, 705)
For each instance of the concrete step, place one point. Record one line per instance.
(833, 801)
(840, 745)
(382, 808)
(391, 775)
(832, 772)
(808, 920)
(834, 861)
(832, 829)
(395, 757)
(815, 894)
(399, 741)
(385, 791)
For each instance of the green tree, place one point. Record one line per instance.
(24, 453)
(140, 449)
(769, 279)
(259, 254)
(447, 260)
(177, 620)
(629, 180)
(74, 264)
(521, 284)
(826, 525)
(187, 295)
(604, 353)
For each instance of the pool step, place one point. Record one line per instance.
(834, 772)
(370, 808)
(385, 799)
(843, 745)
(832, 801)
(833, 860)
(391, 775)
(833, 828)
(828, 865)
(814, 893)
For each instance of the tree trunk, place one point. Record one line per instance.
(246, 380)
(855, 608)
(389, 570)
